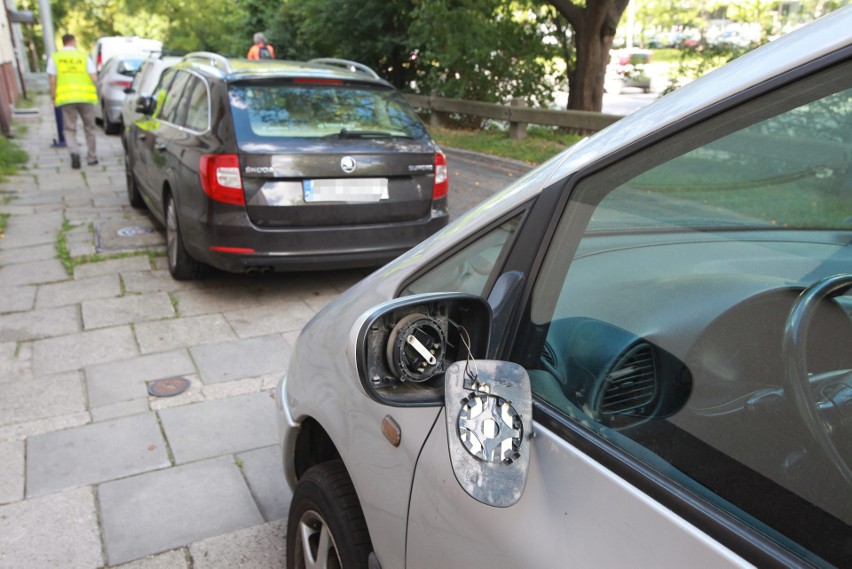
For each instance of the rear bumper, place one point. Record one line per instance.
(230, 242)
(113, 104)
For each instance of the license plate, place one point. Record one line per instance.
(357, 190)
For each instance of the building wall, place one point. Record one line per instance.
(9, 92)
(7, 54)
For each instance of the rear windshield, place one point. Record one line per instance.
(129, 67)
(296, 110)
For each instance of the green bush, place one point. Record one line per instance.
(11, 157)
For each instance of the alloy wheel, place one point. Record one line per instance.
(315, 546)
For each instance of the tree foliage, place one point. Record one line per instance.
(373, 32)
(484, 50)
(182, 25)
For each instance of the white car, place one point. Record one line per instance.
(107, 47)
(637, 355)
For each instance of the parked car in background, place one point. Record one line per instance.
(115, 77)
(143, 84)
(267, 165)
(628, 67)
(106, 48)
(637, 355)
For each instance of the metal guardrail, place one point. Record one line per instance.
(517, 115)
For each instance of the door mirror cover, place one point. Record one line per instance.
(145, 105)
(489, 424)
(404, 346)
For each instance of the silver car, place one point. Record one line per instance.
(638, 355)
(114, 78)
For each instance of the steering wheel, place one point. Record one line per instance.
(796, 371)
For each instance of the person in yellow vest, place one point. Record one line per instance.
(72, 87)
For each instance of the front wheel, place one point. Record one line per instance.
(181, 265)
(326, 527)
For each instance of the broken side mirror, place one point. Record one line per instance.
(425, 350)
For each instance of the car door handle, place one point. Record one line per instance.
(160, 147)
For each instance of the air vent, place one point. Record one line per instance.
(548, 356)
(632, 383)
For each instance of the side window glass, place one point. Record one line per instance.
(659, 317)
(467, 270)
(169, 105)
(161, 89)
(197, 116)
(138, 78)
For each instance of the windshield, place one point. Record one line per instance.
(296, 110)
(790, 171)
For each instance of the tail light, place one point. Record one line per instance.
(100, 62)
(122, 84)
(442, 177)
(220, 178)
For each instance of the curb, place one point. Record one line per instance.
(491, 159)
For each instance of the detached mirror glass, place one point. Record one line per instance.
(489, 424)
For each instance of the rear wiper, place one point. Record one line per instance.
(345, 133)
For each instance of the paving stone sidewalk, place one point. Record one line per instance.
(95, 472)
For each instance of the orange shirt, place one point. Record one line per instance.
(254, 51)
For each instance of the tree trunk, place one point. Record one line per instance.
(594, 29)
(586, 81)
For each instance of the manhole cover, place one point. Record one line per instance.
(168, 387)
(134, 231)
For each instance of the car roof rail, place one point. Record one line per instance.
(213, 59)
(350, 65)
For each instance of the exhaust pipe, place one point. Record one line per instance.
(258, 270)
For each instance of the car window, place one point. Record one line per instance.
(169, 105)
(140, 77)
(128, 67)
(197, 107)
(469, 269)
(300, 110)
(658, 319)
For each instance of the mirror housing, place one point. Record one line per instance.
(146, 105)
(404, 346)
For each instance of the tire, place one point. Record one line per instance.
(325, 510)
(109, 126)
(181, 266)
(133, 195)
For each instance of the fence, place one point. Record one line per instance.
(517, 115)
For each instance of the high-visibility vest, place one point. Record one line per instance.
(73, 82)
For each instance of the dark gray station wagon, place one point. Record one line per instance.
(265, 165)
